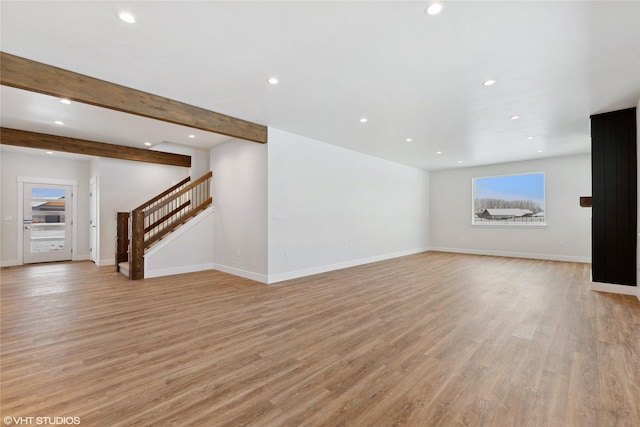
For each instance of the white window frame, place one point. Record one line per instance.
(508, 224)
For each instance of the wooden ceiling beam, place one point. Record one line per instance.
(43, 141)
(35, 76)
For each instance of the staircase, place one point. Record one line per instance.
(138, 230)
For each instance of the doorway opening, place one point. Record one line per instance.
(94, 242)
(48, 215)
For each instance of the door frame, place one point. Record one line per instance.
(94, 252)
(74, 215)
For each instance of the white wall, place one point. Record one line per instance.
(33, 164)
(188, 249)
(124, 185)
(330, 207)
(200, 159)
(239, 189)
(566, 237)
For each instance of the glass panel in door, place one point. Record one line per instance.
(47, 228)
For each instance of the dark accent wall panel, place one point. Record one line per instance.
(614, 186)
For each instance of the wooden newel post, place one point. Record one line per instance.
(136, 257)
(122, 238)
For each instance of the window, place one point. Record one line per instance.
(509, 200)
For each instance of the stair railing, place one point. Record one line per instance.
(154, 219)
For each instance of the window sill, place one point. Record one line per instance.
(510, 225)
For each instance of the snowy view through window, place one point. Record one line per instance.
(509, 200)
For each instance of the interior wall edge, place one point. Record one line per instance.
(258, 277)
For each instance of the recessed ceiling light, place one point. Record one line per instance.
(59, 122)
(434, 9)
(65, 101)
(438, 152)
(148, 144)
(539, 151)
(127, 17)
(49, 152)
(192, 136)
(408, 140)
(516, 117)
(460, 161)
(363, 120)
(529, 138)
(489, 82)
(273, 81)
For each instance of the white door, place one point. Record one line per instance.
(47, 222)
(93, 223)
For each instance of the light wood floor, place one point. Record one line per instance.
(426, 340)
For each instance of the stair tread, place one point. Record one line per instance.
(123, 268)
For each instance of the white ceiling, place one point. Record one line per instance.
(410, 74)
(38, 113)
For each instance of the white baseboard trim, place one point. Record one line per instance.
(548, 257)
(177, 270)
(103, 262)
(262, 278)
(15, 262)
(615, 289)
(9, 263)
(280, 277)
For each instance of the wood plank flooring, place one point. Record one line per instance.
(432, 339)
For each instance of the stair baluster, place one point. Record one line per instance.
(154, 219)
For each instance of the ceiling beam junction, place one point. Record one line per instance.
(42, 141)
(35, 76)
